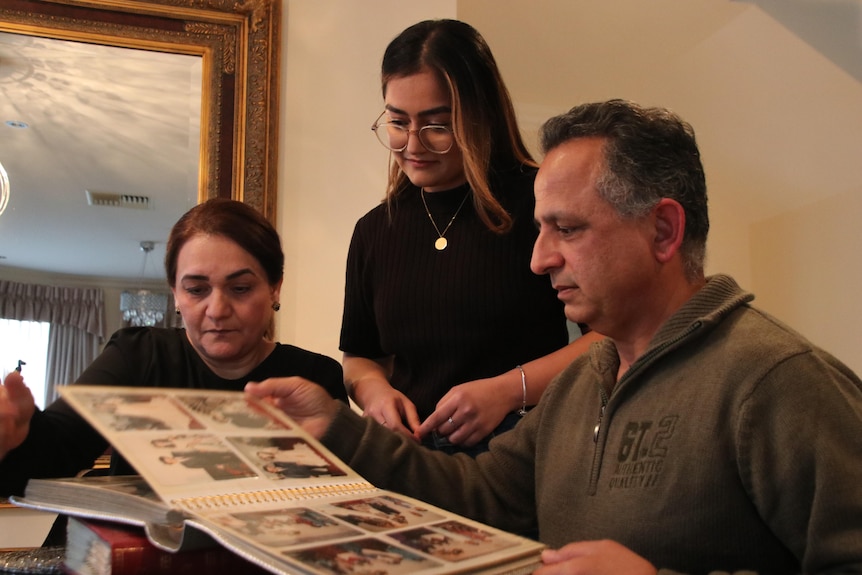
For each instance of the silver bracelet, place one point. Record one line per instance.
(523, 411)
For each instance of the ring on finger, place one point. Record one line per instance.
(451, 421)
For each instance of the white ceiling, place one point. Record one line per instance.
(99, 118)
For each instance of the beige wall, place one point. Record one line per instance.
(806, 265)
(778, 125)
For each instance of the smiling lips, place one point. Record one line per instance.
(418, 162)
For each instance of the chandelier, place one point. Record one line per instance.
(143, 307)
(4, 189)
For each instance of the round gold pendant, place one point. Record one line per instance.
(441, 244)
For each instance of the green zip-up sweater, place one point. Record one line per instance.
(732, 444)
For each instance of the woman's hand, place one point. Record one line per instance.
(367, 382)
(470, 411)
(16, 408)
(593, 558)
(388, 406)
(307, 403)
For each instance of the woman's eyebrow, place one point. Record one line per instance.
(195, 277)
(234, 275)
(241, 272)
(429, 112)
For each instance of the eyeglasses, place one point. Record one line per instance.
(434, 137)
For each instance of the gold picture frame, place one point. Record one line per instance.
(239, 42)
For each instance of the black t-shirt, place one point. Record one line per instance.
(61, 443)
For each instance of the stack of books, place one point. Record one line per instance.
(110, 548)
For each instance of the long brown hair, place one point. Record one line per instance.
(483, 117)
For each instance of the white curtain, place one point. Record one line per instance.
(77, 318)
(70, 351)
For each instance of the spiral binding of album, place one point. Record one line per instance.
(293, 494)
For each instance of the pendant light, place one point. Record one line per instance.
(143, 307)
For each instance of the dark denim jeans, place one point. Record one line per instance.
(441, 443)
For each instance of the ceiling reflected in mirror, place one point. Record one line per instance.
(80, 121)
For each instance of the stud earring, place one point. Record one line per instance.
(177, 311)
(276, 306)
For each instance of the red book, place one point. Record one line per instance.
(103, 548)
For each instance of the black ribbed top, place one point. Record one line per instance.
(470, 311)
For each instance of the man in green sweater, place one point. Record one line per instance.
(701, 436)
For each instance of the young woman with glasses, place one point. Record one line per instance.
(447, 335)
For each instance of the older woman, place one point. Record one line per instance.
(224, 264)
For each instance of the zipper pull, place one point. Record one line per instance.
(598, 425)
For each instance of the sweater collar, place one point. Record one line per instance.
(710, 305)
(720, 296)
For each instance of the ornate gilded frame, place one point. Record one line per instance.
(239, 42)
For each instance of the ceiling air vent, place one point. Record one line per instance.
(117, 200)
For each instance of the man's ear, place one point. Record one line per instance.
(669, 218)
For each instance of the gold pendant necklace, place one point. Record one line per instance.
(441, 242)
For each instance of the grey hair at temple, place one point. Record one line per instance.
(650, 154)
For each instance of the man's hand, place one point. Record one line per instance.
(593, 558)
(302, 400)
(16, 408)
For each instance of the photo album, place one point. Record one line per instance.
(220, 465)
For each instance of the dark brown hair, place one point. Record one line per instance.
(235, 221)
(650, 154)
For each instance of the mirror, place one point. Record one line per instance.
(233, 49)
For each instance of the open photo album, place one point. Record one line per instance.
(221, 465)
